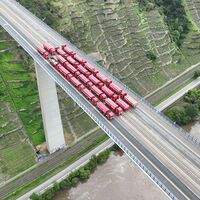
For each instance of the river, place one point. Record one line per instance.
(119, 179)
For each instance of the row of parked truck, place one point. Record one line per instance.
(97, 88)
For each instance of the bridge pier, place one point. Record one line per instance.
(50, 110)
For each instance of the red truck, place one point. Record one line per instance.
(89, 67)
(50, 49)
(43, 52)
(96, 81)
(61, 52)
(68, 66)
(107, 91)
(62, 60)
(114, 87)
(117, 109)
(83, 70)
(98, 92)
(56, 64)
(122, 104)
(68, 50)
(72, 61)
(90, 96)
(77, 83)
(101, 77)
(109, 114)
(79, 59)
(85, 80)
(129, 99)
(65, 72)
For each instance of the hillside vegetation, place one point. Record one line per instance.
(16, 153)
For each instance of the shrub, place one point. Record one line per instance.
(151, 55)
(74, 181)
(197, 73)
(34, 196)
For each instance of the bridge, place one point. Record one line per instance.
(164, 151)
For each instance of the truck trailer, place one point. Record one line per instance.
(116, 108)
(129, 99)
(90, 96)
(61, 52)
(68, 50)
(85, 80)
(50, 49)
(43, 52)
(106, 111)
(96, 81)
(98, 92)
(114, 87)
(89, 67)
(122, 104)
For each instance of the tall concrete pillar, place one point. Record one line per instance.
(50, 110)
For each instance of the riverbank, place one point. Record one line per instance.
(119, 178)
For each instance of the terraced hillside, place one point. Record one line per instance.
(122, 35)
(16, 152)
(193, 7)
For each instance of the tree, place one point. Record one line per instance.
(56, 186)
(150, 6)
(64, 184)
(84, 174)
(191, 96)
(92, 163)
(192, 111)
(103, 156)
(175, 36)
(177, 114)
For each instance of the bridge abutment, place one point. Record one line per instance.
(50, 110)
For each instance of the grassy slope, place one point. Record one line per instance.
(16, 154)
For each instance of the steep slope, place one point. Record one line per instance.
(123, 34)
(16, 152)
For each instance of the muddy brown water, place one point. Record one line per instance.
(119, 179)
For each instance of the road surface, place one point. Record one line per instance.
(178, 95)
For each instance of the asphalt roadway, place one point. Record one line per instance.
(172, 85)
(171, 156)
